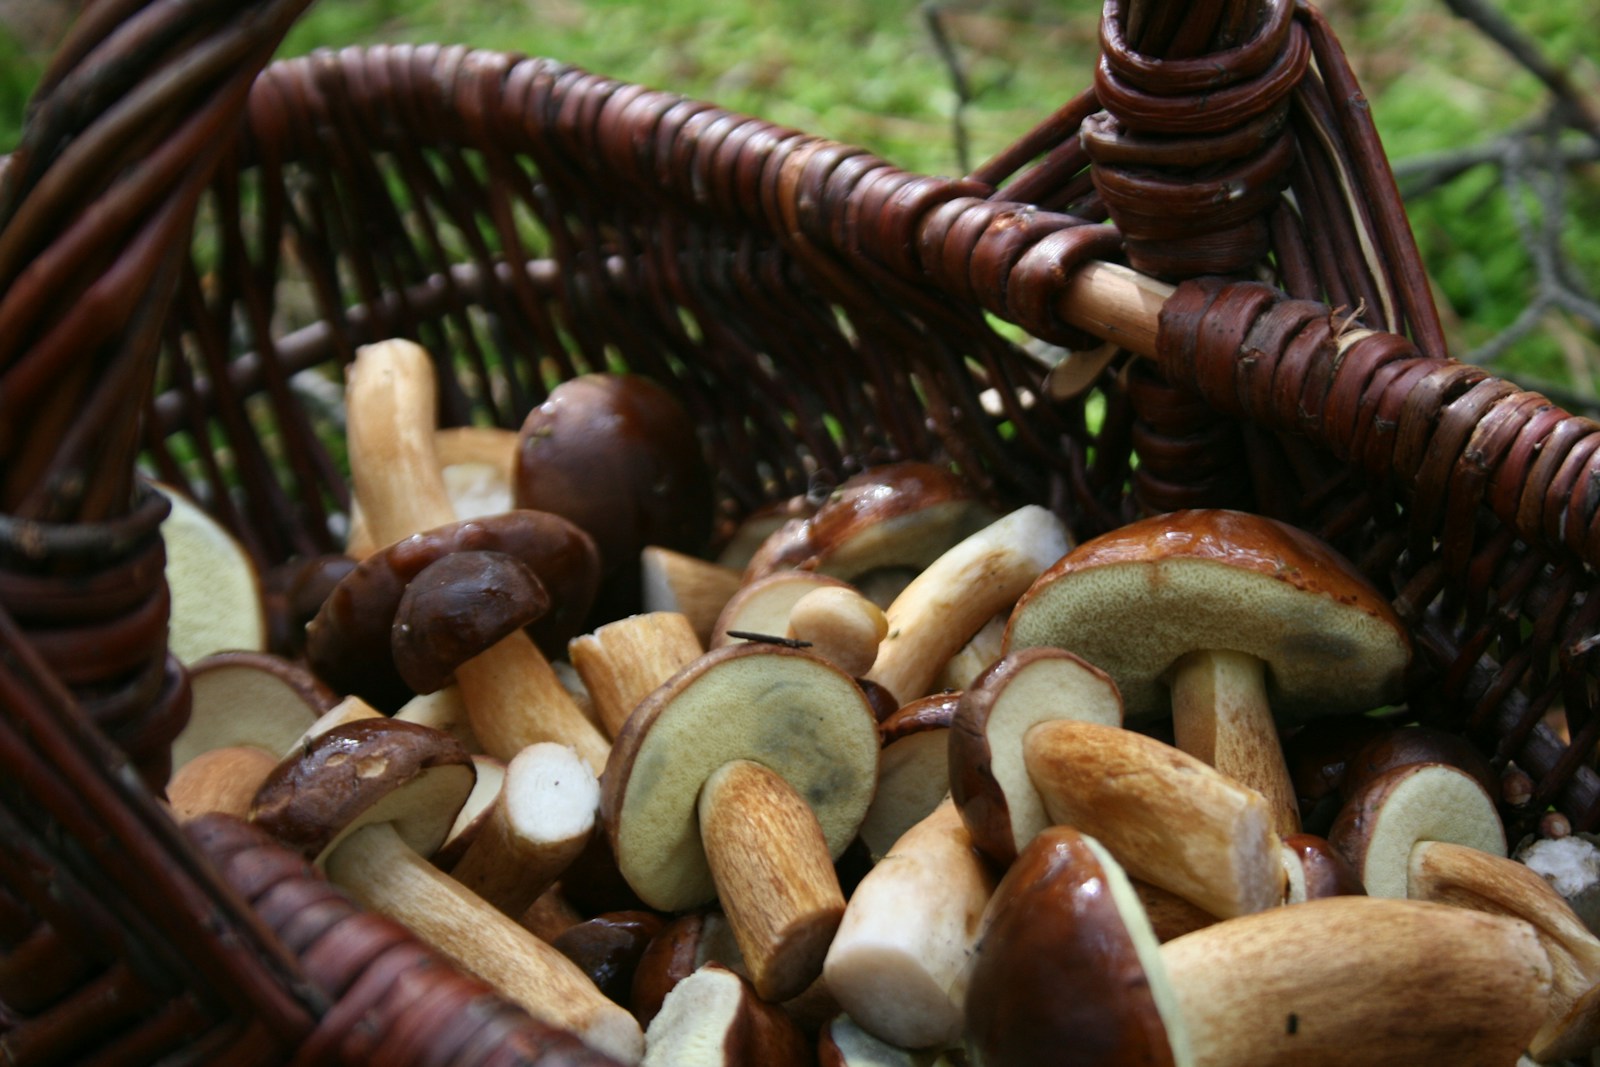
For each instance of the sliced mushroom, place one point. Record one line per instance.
(1222, 617)
(959, 592)
(898, 960)
(913, 774)
(368, 801)
(248, 698)
(713, 1018)
(217, 603)
(762, 606)
(1394, 811)
(991, 729)
(742, 778)
(511, 692)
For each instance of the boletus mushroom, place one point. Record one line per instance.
(742, 778)
(1221, 618)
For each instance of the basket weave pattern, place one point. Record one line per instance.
(178, 232)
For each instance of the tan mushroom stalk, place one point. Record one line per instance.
(690, 586)
(1221, 617)
(841, 626)
(959, 592)
(368, 801)
(513, 696)
(742, 778)
(475, 463)
(538, 824)
(1471, 878)
(622, 661)
(898, 960)
(1069, 972)
(1168, 818)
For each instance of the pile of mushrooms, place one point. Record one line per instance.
(895, 778)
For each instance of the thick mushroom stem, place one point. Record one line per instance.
(513, 696)
(783, 903)
(1220, 714)
(623, 661)
(386, 875)
(1353, 979)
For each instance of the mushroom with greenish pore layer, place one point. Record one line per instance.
(1222, 616)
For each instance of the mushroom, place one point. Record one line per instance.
(684, 945)
(713, 1018)
(841, 626)
(1382, 823)
(742, 778)
(489, 775)
(367, 801)
(540, 820)
(1168, 818)
(1472, 878)
(619, 456)
(511, 692)
(1068, 971)
(960, 591)
(913, 774)
(897, 515)
(975, 657)
(1416, 743)
(248, 698)
(992, 727)
(221, 781)
(608, 948)
(1221, 617)
(762, 606)
(843, 1043)
(1315, 869)
(217, 603)
(898, 960)
(475, 463)
(622, 661)
(693, 587)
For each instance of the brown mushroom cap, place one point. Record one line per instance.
(1199, 580)
(1416, 743)
(895, 515)
(348, 643)
(620, 457)
(988, 779)
(364, 772)
(795, 714)
(913, 774)
(456, 607)
(1068, 970)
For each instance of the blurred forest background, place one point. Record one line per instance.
(1490, 114)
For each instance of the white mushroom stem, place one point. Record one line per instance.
(623, 662)
(1220, 714)
(1168, 818)
(961, 591)
(1471, 878)
(1347, 980)
(897, 962)
(512, 695)
(385, 875)
(783, 903)
(541, 820)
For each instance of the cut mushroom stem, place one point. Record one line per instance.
(841, 626)
(222, 780)
(539, 823)
(959, 592)
(622, 662)
(1354, 979)
(512, 695)
(919, 951)
(692, 587)
(1471, 878)
(1169, 818)
(784, 904)
(1221, 715)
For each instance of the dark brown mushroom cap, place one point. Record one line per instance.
(1137, 599)
(1323, 871)
(1416, 743)
(1068, 970)
(894, 515)
(796, 714)
(348, 643)
(989, 780)
(457, 607)
(618, 455)
(932, 712)
(368, 771)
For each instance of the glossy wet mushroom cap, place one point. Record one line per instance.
(455, 608)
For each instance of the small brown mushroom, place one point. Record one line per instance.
(1415, 743)
(608, 948)
(742, 778)
(684, 945)
(713, 1018)
(368, 801)
(1221, 617)
(456, 607)
(913, 774)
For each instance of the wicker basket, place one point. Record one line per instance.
(188, 255)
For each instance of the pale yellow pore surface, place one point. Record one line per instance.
(216, 594)
(794, 714)
(1434, 804)
(1135, 619)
